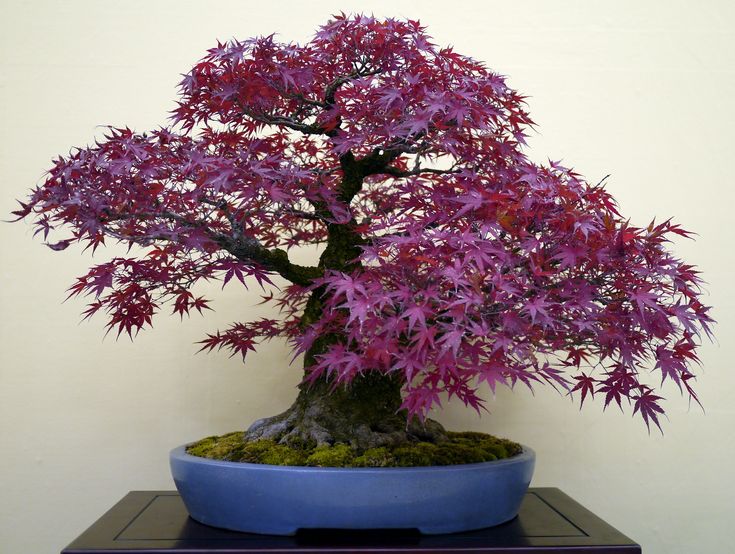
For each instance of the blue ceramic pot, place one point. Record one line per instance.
(279, 500)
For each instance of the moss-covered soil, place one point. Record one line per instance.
(460, 448)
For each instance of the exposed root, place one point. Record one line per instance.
(315, 426)
(366, 414)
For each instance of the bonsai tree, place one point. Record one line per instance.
(449, 260)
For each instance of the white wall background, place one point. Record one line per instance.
(643, 91)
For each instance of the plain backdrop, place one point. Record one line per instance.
(639, 90)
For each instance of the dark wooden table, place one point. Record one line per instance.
(157, 522)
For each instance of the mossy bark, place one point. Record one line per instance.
(366, 413)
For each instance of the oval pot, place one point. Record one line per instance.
(279, 500)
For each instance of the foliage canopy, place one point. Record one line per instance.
(450, 259)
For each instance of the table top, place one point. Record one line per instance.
(157, 521)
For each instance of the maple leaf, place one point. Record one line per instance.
(232, 268)
(586, 385)
(568, 256)
(22, 213)
(415, 314)
(452, 340)
(60, 245)
(647, 404)
(537, 307)
(670, 365)
(493, 374)
(644, 298)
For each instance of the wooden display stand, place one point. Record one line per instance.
(144, 522)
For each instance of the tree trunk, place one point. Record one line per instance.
(364, 414)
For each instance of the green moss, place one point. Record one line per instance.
(416, 454)
(281, 455)
(339, 455)
(225, 447)
(488, 444)
(459, 448)
(375, 457)
(463, 454)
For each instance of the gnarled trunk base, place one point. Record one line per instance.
(364, 414)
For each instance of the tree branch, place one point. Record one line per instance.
(246, 249)
(333, 87)
(395, 172)
(354, 170)
(285, 122)
(250, 250)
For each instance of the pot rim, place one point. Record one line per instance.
(526, 455)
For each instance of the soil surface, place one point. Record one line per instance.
(458, 448)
